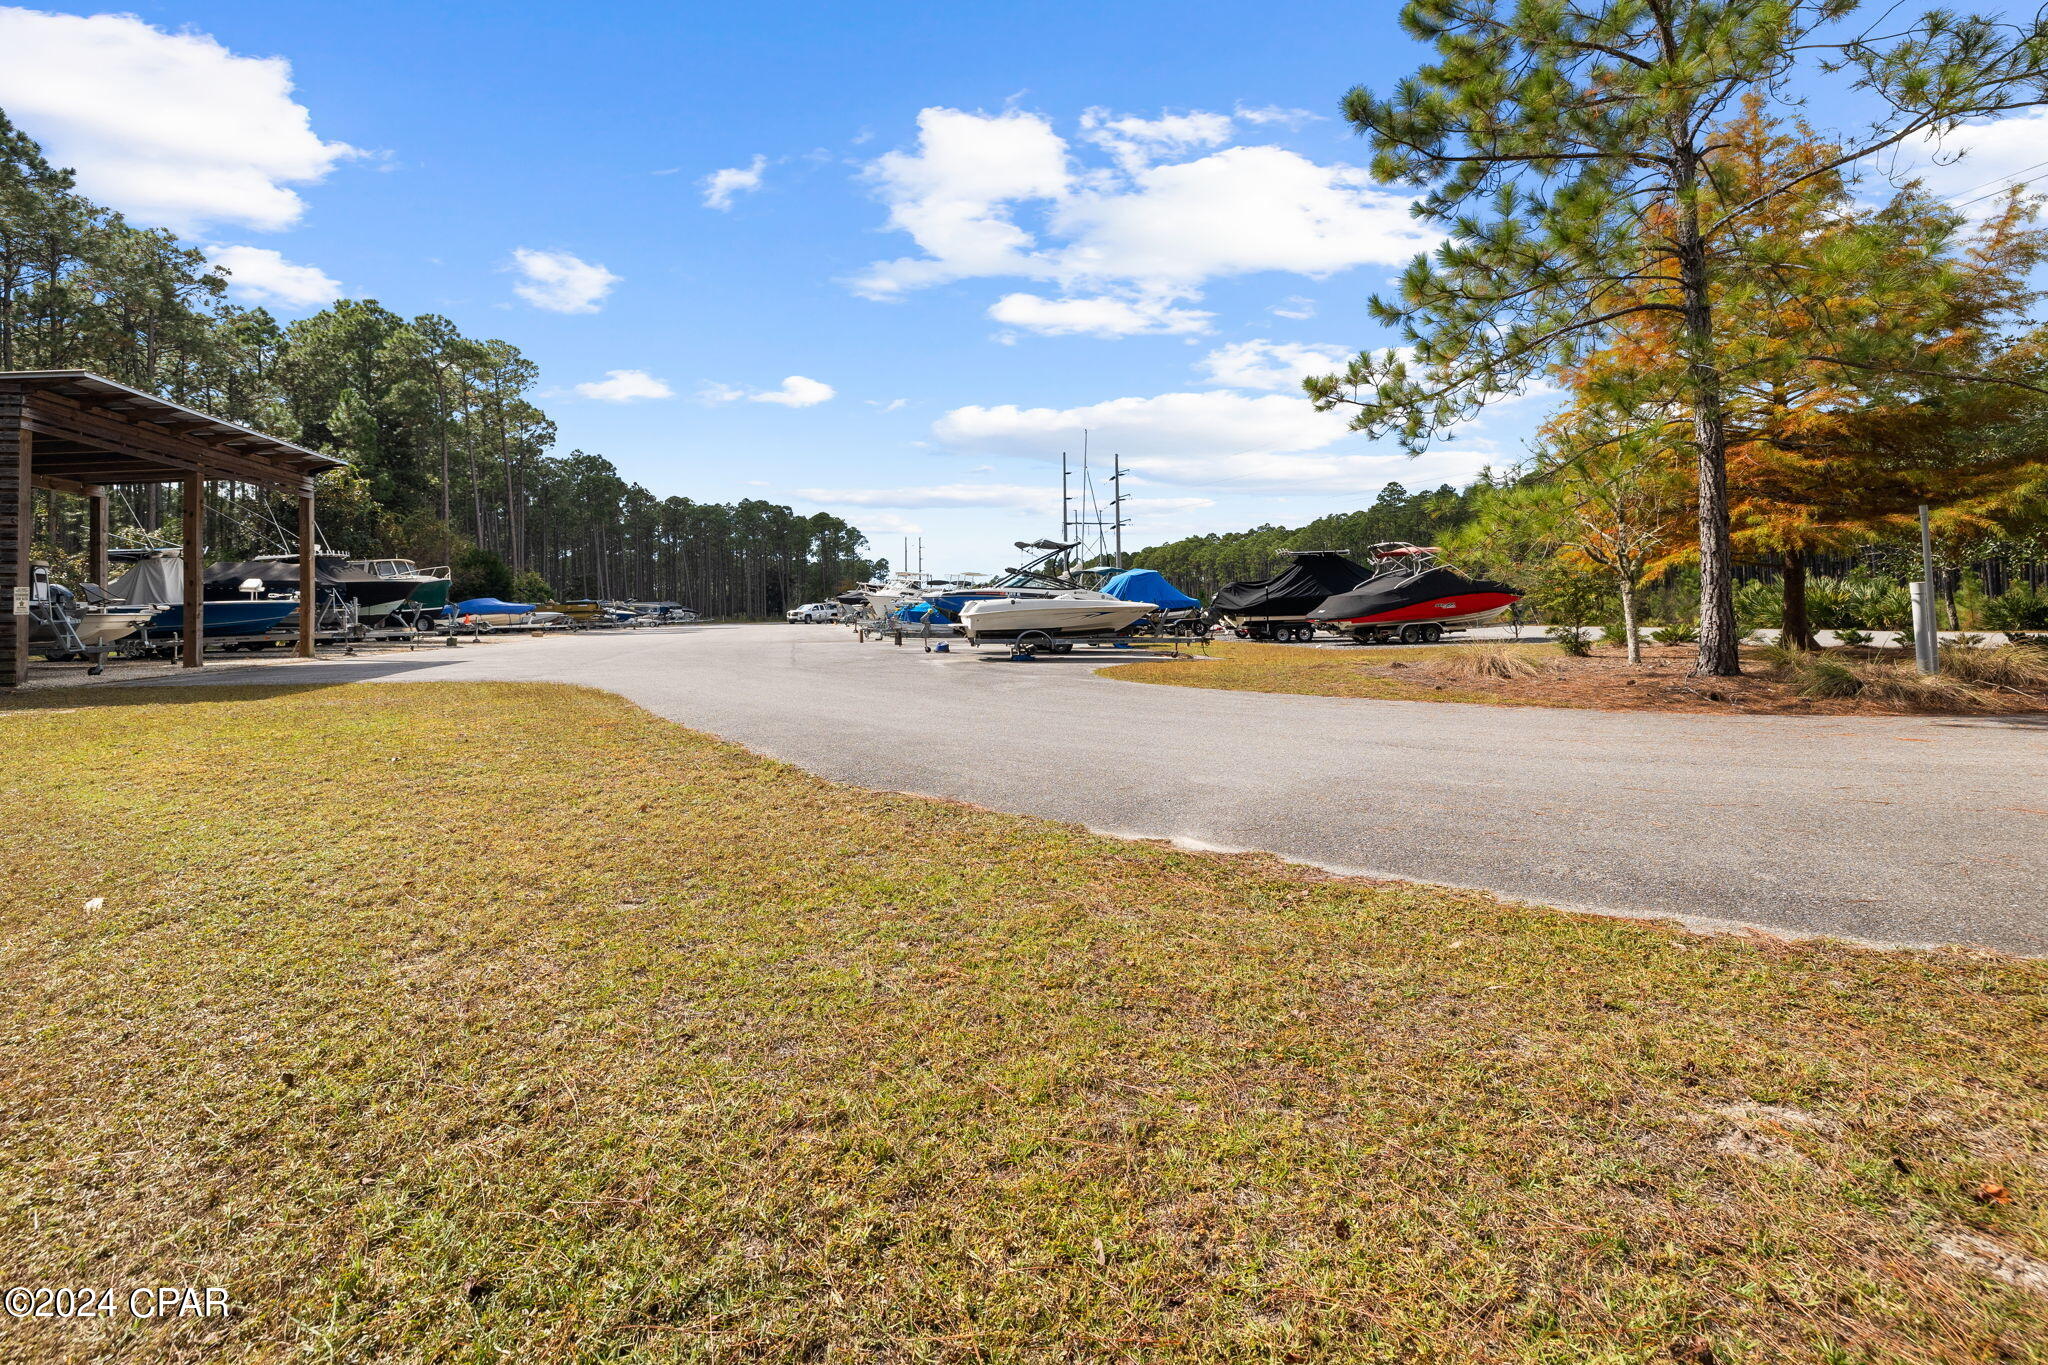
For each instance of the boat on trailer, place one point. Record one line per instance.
(1278, 608)
(1414, 597)
(1065, 616)
(428, 587)
(156, 578)
(372, 596)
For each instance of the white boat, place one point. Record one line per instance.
(103, 625)
(884, 597)
(1078, 612)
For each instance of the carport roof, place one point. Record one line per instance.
(87, 430)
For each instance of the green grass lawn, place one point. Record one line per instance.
(507, 1022)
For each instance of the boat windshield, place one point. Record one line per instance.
(1024, 578)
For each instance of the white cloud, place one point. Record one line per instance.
(953, 195)
(258, 275)
(1119, 239)
(1217, 439)
(1296, 306)
(1103, 315)
(891, 406)
(796, 392)
(170, 128)
(1974, 161)
(1137, 142)
(625, 386)
(1277, 114)
(891, 524)
(1271, 364)
(1032, 496)
(721, 186)
(560, 282)
(1240, 210)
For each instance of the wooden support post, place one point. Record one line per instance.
(192, 651)
(16, 454)
(96, 534)
(307, 568)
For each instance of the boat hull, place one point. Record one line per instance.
(430, 593)
(1437, 596)
(1065, 618)
(1468, 609)
(105, 625)
(241, 617)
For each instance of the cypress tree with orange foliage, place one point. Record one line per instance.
(1868, 370)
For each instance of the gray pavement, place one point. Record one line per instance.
(1912, 830)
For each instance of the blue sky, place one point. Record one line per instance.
(946, 239)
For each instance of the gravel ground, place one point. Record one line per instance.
(1921, 830)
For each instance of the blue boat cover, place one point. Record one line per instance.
(1148, 585)
(488, 606)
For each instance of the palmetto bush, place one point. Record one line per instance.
(2020, 608)
(1856, 603)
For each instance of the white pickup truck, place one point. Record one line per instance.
(811, 613)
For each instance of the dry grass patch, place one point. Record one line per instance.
(2004, 681)
(1426, 674)
(507, 1022)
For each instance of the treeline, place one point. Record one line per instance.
(450, 457)
(1202, 564)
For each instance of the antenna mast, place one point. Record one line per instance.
(1065, 497)
(1116, 506)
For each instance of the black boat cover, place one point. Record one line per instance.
(1392, 591)
(282, 575)
(1296, 590)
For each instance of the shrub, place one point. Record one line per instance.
(531, 587)
(1572, 640)
(1684, 633)
(2019, 608)
(1614, 633)
(1849, 635)
(1758, 606)
(1825, 677)
(479, 573)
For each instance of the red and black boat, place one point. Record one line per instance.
(1414, 597)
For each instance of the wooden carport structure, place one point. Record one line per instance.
(71, 431)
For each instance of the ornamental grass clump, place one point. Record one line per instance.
(1905, 687)
(2023, 668)
(1823, 674)
(1488, 661)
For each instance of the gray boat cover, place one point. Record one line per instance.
(159, 579)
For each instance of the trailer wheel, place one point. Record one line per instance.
(1432, 632)
(1413, 635)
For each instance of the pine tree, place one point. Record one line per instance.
(1567, 152)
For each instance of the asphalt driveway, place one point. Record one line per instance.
(1919, 830)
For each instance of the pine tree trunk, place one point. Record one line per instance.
(1720, 655)
(1628, 617)
(1798, 628)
